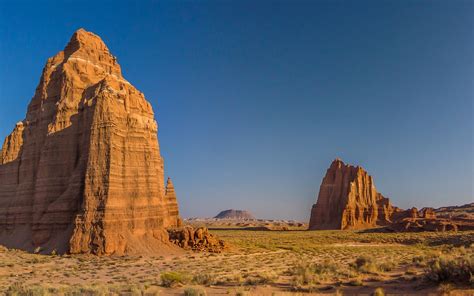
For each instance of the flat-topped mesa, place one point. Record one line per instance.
(83, 172)
(235, 215)
(348, 199)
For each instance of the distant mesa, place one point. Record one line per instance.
(83, 173)
(235, 215)
(348, 199)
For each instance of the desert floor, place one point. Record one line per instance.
(257, 263)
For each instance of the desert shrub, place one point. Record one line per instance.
(309, 274)
(302, 275)
(420, 261)
(174, 278)
(204, 279)
(261, 278)
(451, 269)
(367, 264)
(379, 292)
(194, 291)
(356, 282)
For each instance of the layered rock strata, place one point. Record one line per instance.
(171, 203)
(82, 173)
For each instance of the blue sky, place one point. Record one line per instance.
(254, 99)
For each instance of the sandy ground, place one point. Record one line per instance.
(257, 263)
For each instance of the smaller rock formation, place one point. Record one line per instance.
(235, 215)
(348, 200)
(171, 205)
(199, 239)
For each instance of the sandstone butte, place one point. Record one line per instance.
(348, 199)
(82, 173)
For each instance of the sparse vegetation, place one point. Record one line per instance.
(194, 291)
(450, 269)
(302, 261)
(174, 278)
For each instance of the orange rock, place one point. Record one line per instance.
(82, 173)
(172, 205)
(348, 199)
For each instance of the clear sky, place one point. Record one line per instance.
(254, 99)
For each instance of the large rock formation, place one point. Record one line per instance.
(348, 199)
(82, 173)
(235, 215)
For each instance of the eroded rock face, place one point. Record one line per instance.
(82, 173)
(348, 199)
(199, 239)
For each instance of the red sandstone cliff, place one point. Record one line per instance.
(348, 199)
(82, 173)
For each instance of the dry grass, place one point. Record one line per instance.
(304, 261)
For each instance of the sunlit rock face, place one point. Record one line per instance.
(82, 173)
(348, 199)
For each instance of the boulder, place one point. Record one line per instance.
(199, 239)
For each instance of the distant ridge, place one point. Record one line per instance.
(235, 214)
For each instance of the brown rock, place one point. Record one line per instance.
(199, 239)
(171, 203)
(82, 173)
(427, 213)
(348, 199)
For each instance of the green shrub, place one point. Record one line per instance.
(174, 278)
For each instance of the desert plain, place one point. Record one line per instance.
(295, 262)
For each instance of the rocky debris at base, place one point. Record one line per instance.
(196, 239)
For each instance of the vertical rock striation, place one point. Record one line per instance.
(348, 199)
(82, 173)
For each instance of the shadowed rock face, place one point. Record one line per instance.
(82, 173)
(348, 199)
